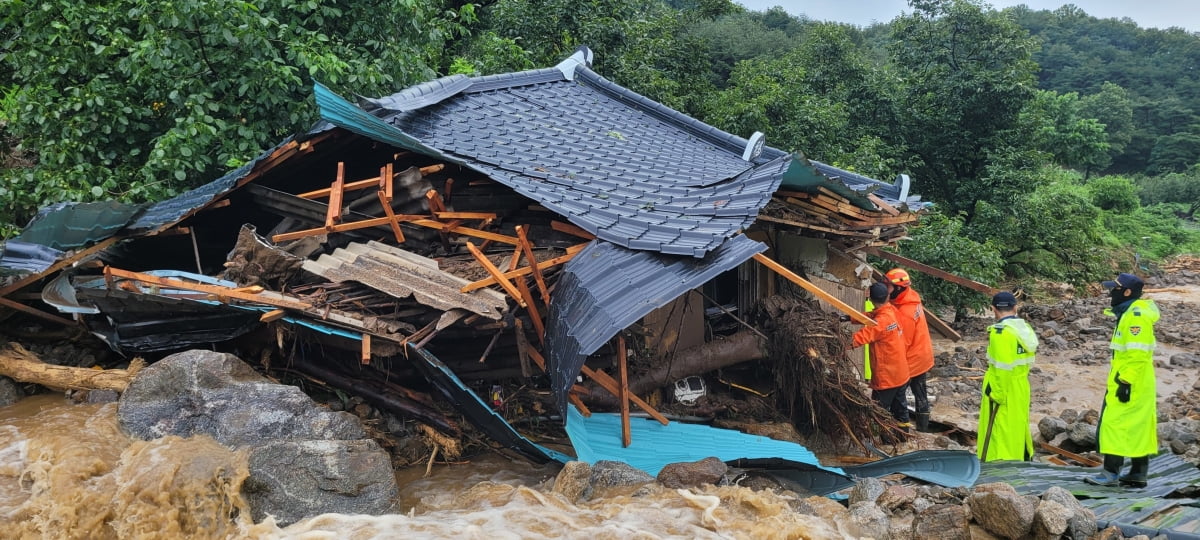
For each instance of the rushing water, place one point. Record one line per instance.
(67, 471)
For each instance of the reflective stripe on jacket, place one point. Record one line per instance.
(918, 347)
(889, 367)
(1012, 344)
(1130, 429)
(867, 307)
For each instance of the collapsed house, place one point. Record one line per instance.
(470, 231)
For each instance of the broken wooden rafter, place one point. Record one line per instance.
(527, 247)
(366, 349)
(830, 230)
(883, 205)
(571, 229)
(223, 293)
(497, 275)
(424, 221)
(361, 184)
(272, 315)
(623, 370)
(548, 263)
(925, 268)
(523, 348)
(333, 212)
(435, 201)
(36, 312)
(1076, 457)
(815, 290)
(534, 315)
(386, 194)
(607, 383)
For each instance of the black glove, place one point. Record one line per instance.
(844, 318)
(1123, 389)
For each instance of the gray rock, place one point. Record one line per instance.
(1083, 434)
(304, 460)
(943, 521)
(1049, 325)
(1001, 512)
(1185, 360)
(1166, 431)
(1059, 439)
(1078, 325)
(1069, 416)
(609, 474)
(1090, 416)
(1082, 523)
(103, 396)
(9, 392)
(1057, 342)
(1050, 427)
(1050, 520)
(1178, 447)
(572, 480)
(896, 497)
(709, 470)
(1185, 435)
(871, 520)
(292, 480)
(866, 490)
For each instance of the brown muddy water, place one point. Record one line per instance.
(68, 472)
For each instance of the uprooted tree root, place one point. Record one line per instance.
(816, 383)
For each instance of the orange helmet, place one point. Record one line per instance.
(898, 277)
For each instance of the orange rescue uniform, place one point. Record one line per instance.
(889, 369)
(918, 346)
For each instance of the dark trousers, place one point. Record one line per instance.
(894, 400)
(920, 393)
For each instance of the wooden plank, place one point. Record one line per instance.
(272, 315)
(36, 312)
(435, 201)
(1069, 455)
(366, 349)
(941, 327)
(815, 290)
(465, 231)
(534, 315)
(496, 274)
(476, 285)
(925, 268)
(606, 382)
(626, 433)
(883, 205)
(571, 229)
(579, 405)
(343, 227)
(465, 215)
(333, 212)
(523, 348)
(216, 290)
(527, 247)
(830, 230)
(430, 169)
(385, 200)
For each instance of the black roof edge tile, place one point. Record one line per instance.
(520, 78)
(419, 96)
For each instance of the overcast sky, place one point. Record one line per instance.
(1147, 13)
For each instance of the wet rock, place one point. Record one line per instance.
(1002, 511)
(610, 474)
(102, 396)
(9, 392)
(870, 520)
(697, 473)
(943, 521)
(1069, 416)
(1050, 520)
(304, 459)
(1090, 416)
(572, 480)
(824, 508)
(1083, 434)
(1185, 360)
(1082, 522)
(866, 490)
(897, 497)
(1059, 439)
(1050, 427)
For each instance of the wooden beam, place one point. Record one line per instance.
(333, 212)
(852, 234)
(523, 348)
(385, 200)
(626, 434)
(465, 215)
(216, 290)
(527, 247)
(465, 231)
(534, 315)
(496, 274)
(343, 227)
(272, 315)
(579, 404)
(36, 312)
(366, 349)
(435, 201)
(941, 326)
(1066, 454)
(807, 285)
(883, 205)
(548, 263)
(606, 382)
(430, 169)
(926, 269)
(571, 229)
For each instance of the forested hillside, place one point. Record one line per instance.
(1054, 145)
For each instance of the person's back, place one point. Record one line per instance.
(918, 346)
(889, 367)
(1012, 346)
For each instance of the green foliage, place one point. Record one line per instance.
(1181, 188)
(1056, 126)
(737, 37)
(1053, 233)
(1155, 232)
(940, 241)
(1114, 193)
(1112, 107)
(967, 74)
(139, 100)
(489, 53)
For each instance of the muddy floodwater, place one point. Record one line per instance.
(67, 471)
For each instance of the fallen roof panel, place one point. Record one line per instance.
(605, 288)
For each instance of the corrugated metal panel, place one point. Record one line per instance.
(1145, 511)
(402, 274)
(598, 437)
(606, 288)
(21, 257)
(67, 226)
(479, 413)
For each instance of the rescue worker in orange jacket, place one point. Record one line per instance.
(917, 346)
(889, 367)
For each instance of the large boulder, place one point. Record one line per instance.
(9, 392)
(1002, 511)
(1082, 521)
(709, 470)
(944, 521)
(304, 460)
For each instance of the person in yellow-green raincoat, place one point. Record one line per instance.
(1012, 344)
(1128, 424)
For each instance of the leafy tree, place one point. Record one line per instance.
(1182, 188)
(138, 100)
(940, 241)
(967, 73)
(1115, 193)
(1056, 126)
(1113, 108)
(1174, 152)
(736, 37)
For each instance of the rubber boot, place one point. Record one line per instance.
(923, 422)
(1137, 473)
